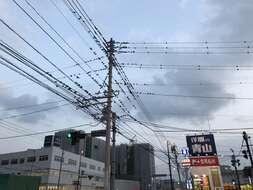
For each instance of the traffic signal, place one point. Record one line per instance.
(233, 163)
(73, 137)
(238, 162)
(245, 155)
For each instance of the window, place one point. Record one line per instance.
(58, 158)
(92, 167)
(72, 162)
(82, 172)
(96, 146)
(4, 162)
(21, 160)
(84, 164)
(43, 158)
(14, 161)
(31, 159)
(99, 168)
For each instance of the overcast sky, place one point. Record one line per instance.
(135, 21)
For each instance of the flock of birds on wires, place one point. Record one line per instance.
(126, 97)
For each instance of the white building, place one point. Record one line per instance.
(46, 162)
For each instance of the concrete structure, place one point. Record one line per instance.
(46, 162)
(94, 147)
(136, 162)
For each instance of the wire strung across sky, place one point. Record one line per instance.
(205, 47)
(188, 67)
(50, 131)
(79, 12)
(194, 96)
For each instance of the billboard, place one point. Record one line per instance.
(201, 145)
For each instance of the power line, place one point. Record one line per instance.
(192, 83)
(65, 42)
(128, 138)
(50, 131)
(194, 96)
(43, 56)
(188, 67)
(188, 52)
(55, 42)
(34, 112)
(187, 42)
(20, 71)
(30, 106)
(89, 26)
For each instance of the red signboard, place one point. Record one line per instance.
(204, 161)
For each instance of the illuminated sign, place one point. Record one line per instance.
(185, 163)
(201, 145)
(204, 161)
(185, 151)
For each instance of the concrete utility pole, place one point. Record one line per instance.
(175, 152)
(246, 139)
(234, 164)
(79, 182)
(113, 173)
(59, 177)
(169, 162)
(108, 117)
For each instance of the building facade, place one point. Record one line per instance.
(93, 148)
(136, 162)
(55, 166)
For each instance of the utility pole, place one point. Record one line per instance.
(34, 155)
(169, 162)
(175, 152)
(108, 117)
(113, 173)
(79, 183)
(234, 164)
(246, 139)
(59, 177)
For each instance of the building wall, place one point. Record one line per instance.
(98, 149)
(94, 148)
(49, 169)
(136, 162)
(121, 160)
(144, 166)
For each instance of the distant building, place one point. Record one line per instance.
(93, 148)
(228, 174)
(136, 162)
(46, 162)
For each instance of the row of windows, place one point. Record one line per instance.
(22, 160)
(74, 163)
(45, 158)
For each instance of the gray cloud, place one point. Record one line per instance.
(186, 108)
(228, 21)
(8, 103)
